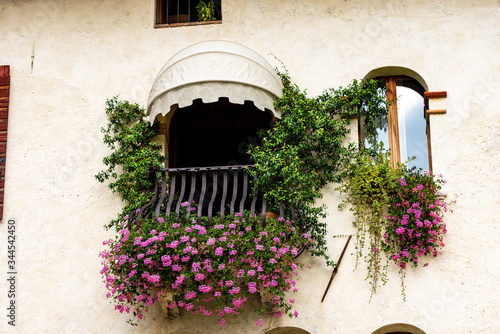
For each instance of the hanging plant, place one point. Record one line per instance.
(130, 137)
(398, 212)
(414, 222)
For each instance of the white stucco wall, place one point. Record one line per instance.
(67, 57)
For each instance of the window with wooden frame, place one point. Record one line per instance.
(405, 130)
(175, 12)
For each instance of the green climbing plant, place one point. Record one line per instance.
(307, 149)
(129, 136)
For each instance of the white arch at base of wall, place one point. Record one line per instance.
(399, 327)
(287, 330)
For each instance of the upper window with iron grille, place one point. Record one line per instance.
(184, 12)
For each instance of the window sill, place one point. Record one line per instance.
(186, 24)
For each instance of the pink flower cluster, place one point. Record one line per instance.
(415, 220)
(203, 267)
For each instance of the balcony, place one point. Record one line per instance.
(208, 192)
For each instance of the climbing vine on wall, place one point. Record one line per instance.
(129, 136)
(307, 149)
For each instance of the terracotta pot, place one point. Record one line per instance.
(271, 215)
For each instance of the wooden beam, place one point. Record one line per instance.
(435, 95)
(393, 122)
(436, 111)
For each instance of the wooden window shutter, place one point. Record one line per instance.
(4, 114)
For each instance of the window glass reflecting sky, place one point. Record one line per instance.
(412, 128)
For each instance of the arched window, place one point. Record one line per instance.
(405, 131)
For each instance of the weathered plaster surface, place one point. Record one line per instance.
(68, 57)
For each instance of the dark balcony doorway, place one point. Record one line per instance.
(216, 135)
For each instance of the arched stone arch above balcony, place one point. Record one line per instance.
(211, 70)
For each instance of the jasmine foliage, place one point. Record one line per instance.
(306, 149)
(129, 137)
(366, 99)
(398, 210)
(203, 269)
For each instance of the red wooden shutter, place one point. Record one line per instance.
(4, 113)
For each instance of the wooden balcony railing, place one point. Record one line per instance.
(221, 190)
